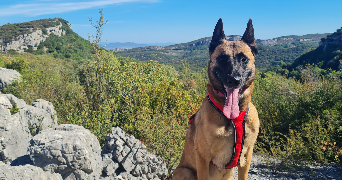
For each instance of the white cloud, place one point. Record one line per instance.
(54, 8)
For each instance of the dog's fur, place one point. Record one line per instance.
(210, 136)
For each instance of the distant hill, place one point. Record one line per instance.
(53, 36)
(118, 46)
(271, 51)
(327, 55)
(126, 45)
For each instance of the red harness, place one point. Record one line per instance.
(239, 129)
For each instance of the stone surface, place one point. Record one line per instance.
(135, 162)
(26, 172)
(7, 77)
(70, 150)
(16, 130)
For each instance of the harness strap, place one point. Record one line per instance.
(239, 132)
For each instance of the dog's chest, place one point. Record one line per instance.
(224, 129)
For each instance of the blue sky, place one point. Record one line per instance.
(177, 21)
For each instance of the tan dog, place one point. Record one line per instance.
(210, 140)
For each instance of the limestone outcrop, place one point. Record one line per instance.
(127, 157)
(19, 122)
(32, 39)
(32, 145)
(7, 77)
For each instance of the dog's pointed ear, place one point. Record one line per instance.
(218, 36)
(248, 37)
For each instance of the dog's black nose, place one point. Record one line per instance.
(233, 82)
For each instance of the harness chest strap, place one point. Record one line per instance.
(239, 132)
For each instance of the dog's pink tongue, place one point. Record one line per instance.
(231, 106)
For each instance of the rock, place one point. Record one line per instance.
(14, 138)
(20, 103)
(132, 155)
(47, 106)
(70, 150)
(26, 172)
(17, 130)
(7, 77)
(109, 168)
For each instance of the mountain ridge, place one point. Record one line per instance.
(271, 51)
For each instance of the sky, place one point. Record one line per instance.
(179, 21)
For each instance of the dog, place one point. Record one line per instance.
(223, 131)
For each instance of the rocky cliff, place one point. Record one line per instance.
(328, 55)
(332, 40)
(32, 39)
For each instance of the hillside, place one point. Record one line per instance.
(52, 36)
(327, 55)
(271, 51)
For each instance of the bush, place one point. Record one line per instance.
(300, 120)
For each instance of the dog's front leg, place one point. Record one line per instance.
(243, 171)
(202, 167)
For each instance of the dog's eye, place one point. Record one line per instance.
(223, 57)
(244, 60)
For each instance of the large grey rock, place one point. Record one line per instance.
(47, 106)
(14, 138)
(26, 172)
(70, 150)
(7, 77)
(135, 162)
(41, 115)
(16, 130)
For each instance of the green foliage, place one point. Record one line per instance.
(269, 56)
(300, 121)
(68, 46)
(17, 63)
(3, 61)
(14, 109)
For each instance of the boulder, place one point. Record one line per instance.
(14, 138)
(18, 127)
(69, 150)
(7, 76)
(134, 161)
(26, 172)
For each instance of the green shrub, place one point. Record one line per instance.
(17, 63)
(300, 121)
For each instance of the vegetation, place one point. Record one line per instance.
(68, 46)
(301, 121)
(269, 56)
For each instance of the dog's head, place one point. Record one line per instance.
(231, 68)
